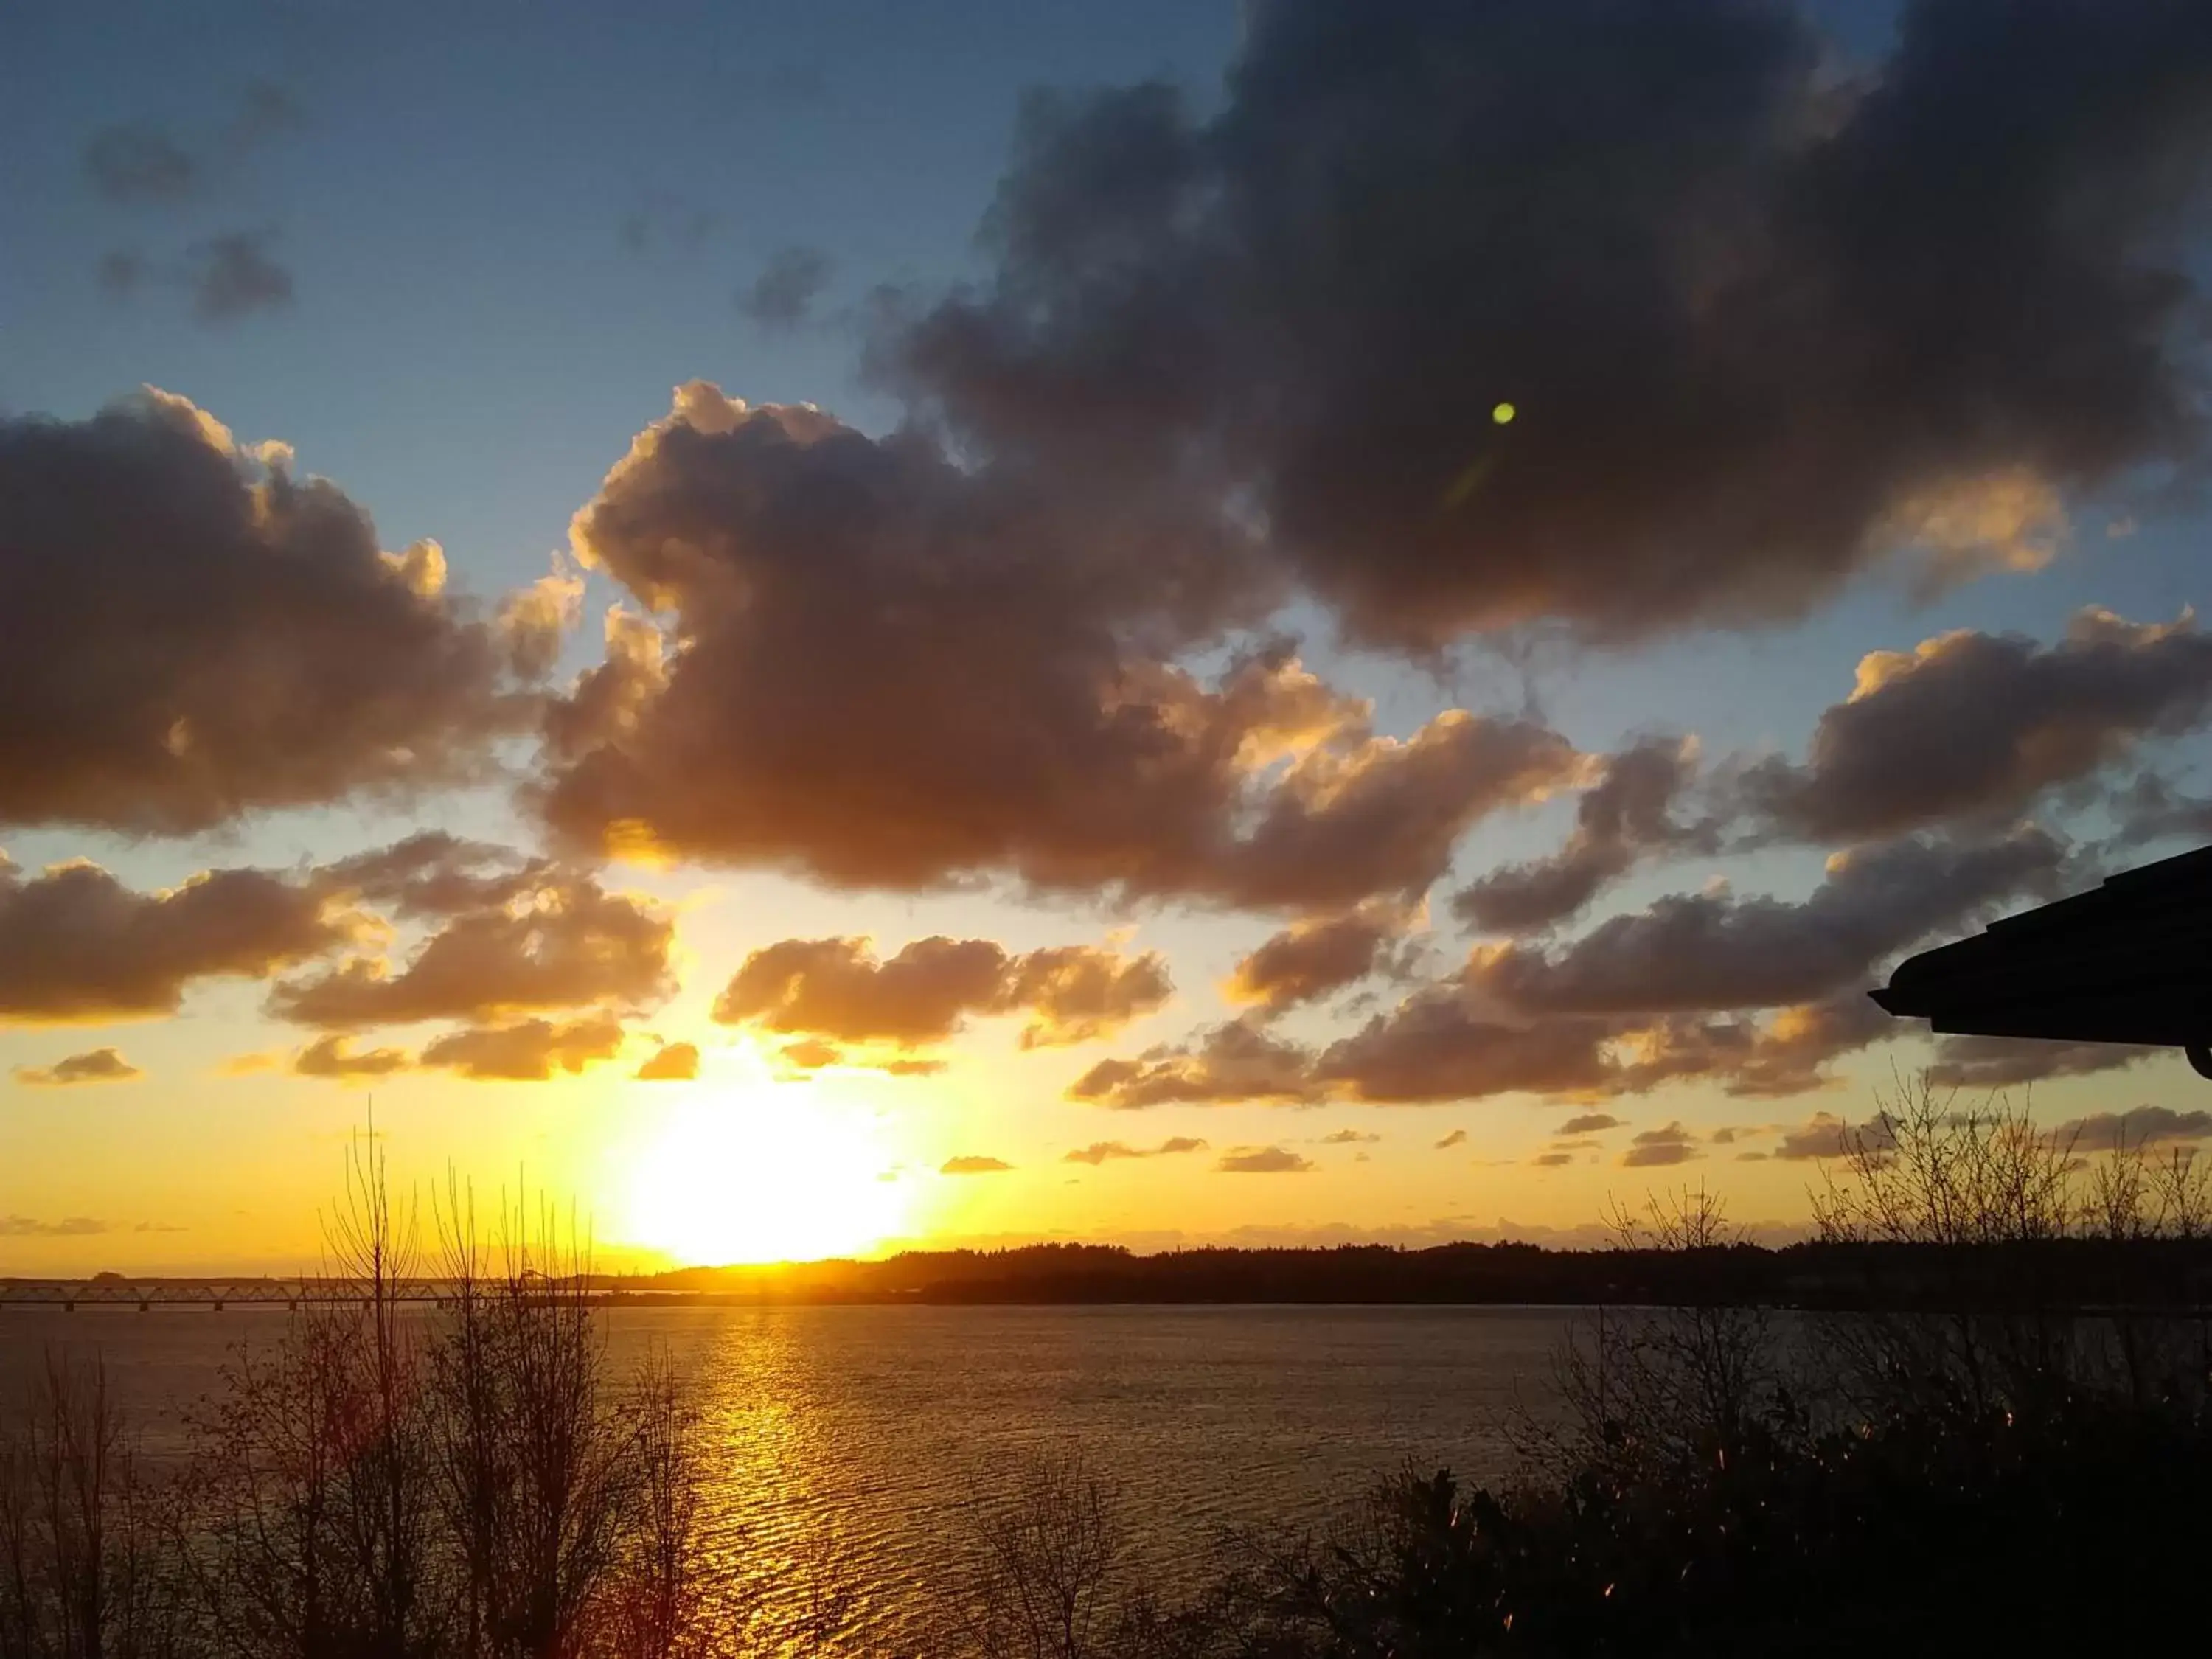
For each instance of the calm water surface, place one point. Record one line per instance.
(859, 1442)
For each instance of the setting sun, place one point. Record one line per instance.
(762, 1172)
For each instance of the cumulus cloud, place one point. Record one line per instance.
(1587, 1123)
(1758, 328)
(434, 873)
(1349, 1138)
(2151, 809)
(1715, 950)
(2001, 1062)
(98, 1065)
(1456, 1137)
(783, 296)
(1102, 1152)
(785, 701)
(1315, 957)
(78, 946)
(1825, 1135)
(1786, 1053)
(838, 990)
(193, 634)
(674, 1062)
(1434, 1048)
(1233, 1062)
(2143, 1125)
(1969, 725)
(1553, 1160)
(527, 1051)
(1618, 819)
(1263, 1160)
(336, 1058)
(966, 1165)
(1651, 1149)
(565, 943)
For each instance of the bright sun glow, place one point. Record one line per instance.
(760, 1173)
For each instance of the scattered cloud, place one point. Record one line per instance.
(566, 943)
(783, 296)
(966, 1165)
(1263, 1160)
(1433, 1047)
(1996, 1062)
(838, 990)
(1234, 1062)
(1589, 1123)
(674, 1062)
(138, 163)
(1826, 1135)
(335, 1057)
(279, 657)
(1714, 950)
(528, 1051)
(234, 275)
(77, 946)
(1970, 726)
(97, 1066)
(72, 1226)
(1349, 1138)
(1314, 958)
(1456, 1137)
(1102, 1152)
(2143, 1125)
(1619, 819)
(1658, 1148)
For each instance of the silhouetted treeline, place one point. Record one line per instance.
(2083, 1271)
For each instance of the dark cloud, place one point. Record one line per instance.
(1652, 1149)
(77, 946)
(565, 944)
(139, 163)
(1999, 1062)
(972, 1165)
(1621, 817)
(1102, 1152)
(1786, 1054)
(98, 1065)
(1234, 1062)
(1349, 1138)
(1314, 958)
(335, 1058)
(1969, 725)
(192, 634)
(70, 1226)
(2143, 1125)
(1263, 1160)
(233, 275)
(1587, 1123)
(799, 711)
(2151, 809)
(837, 989)
(783, 296)
(1434, 1048)
(1828, 1136)
(1456, 1137)
(434, 873)
(1759, 328)
(675, 1062)
(1553, 1160)
(528, 1051)
(1715, 950)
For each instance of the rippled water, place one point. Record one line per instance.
(857, 1442)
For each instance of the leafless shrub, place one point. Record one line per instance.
(1050, 1578)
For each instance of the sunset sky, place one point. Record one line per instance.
(842, 624)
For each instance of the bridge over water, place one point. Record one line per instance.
(112, 1290)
